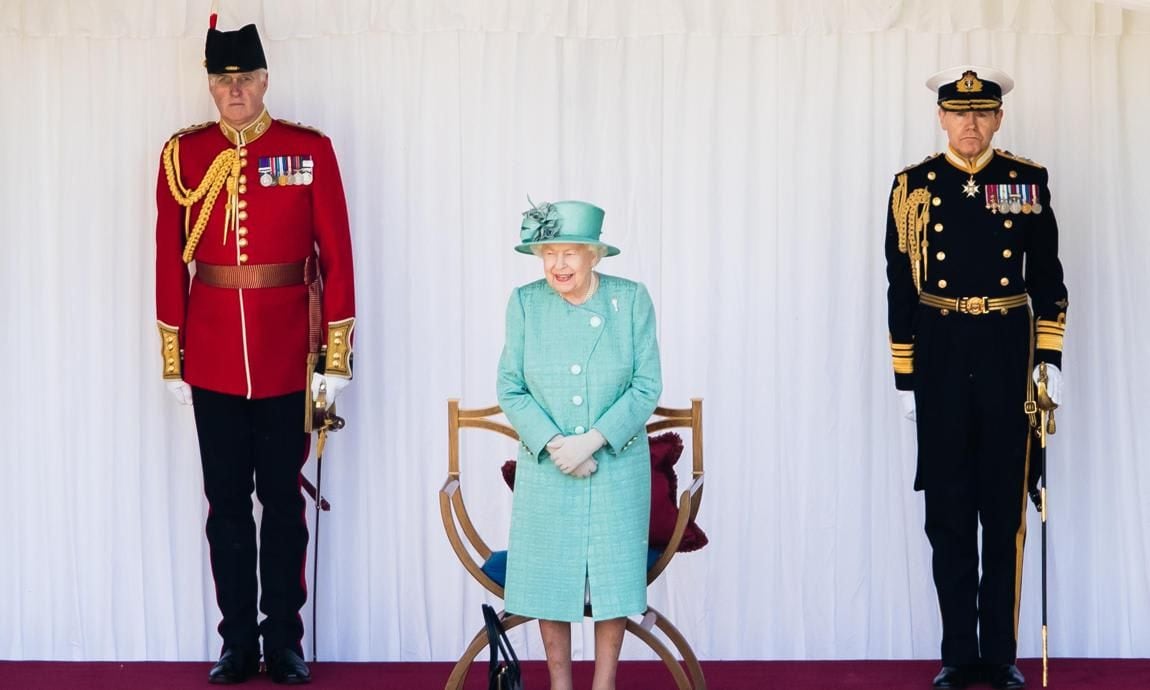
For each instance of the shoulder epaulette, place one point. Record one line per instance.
(1020, 159)
(192, 128)
(299, 125)
(924, 160)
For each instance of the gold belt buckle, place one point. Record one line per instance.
(975, 306)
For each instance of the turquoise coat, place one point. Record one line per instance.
(566, 369)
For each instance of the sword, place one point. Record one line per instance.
(323, 421)
(1046, 426)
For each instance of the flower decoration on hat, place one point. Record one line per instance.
(540, 222)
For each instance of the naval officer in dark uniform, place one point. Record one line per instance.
(976, 302)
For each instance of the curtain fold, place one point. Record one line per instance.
(743, 152)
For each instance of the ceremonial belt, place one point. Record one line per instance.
(974, 306)
(258, 275)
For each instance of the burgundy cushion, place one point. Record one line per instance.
(665, 451)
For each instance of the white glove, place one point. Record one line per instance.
(180, 390)
(906, 400)
(568, 452)
(1053, 382)
(586, 469)
(334, 385)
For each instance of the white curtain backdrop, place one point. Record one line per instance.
(743, 151)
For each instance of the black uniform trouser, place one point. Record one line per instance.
(241, 439)
(970, 388)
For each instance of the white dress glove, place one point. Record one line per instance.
(1053, 382)
(335, 384)
(586, 469)
(180, 390)
(568, 452)
(906, 400)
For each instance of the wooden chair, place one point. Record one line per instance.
(473, 551)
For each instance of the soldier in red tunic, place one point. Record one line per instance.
(256, 310)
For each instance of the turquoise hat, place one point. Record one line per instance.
(562, 222)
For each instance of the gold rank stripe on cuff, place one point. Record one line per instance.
(338, 361)
(902, 356)
(1049, 335)
(170, 351)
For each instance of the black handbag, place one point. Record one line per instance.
(502, 673)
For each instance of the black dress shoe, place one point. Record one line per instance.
(1006, 677)
(287, 668)
(235, 666)
(951, 677)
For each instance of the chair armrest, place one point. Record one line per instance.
(455, 520)
(688, 507)
(696, 492)
(450, 486)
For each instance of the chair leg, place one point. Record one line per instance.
(478, 644)
(683, 647)
(659, 648)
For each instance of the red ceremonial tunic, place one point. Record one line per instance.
(253, 342)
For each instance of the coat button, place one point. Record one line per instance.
(938, 227)
(1008, 224)
(577, 399)
(1006, 253)
(1004, 282)
(243, 258)
(596, 322)
(941, 256)
(937, 201)
(579, 430)
(576, 369)
(942, 283)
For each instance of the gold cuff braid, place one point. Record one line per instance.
(170, 351)
(338, 361)
(902, 356)
(1049, 333)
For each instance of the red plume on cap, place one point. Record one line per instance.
(214, 15)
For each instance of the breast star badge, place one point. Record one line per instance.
(970, 188)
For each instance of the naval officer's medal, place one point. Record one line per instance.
(1035, 207)
(970, 189)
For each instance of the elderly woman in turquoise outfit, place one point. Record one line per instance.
(578, 378)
